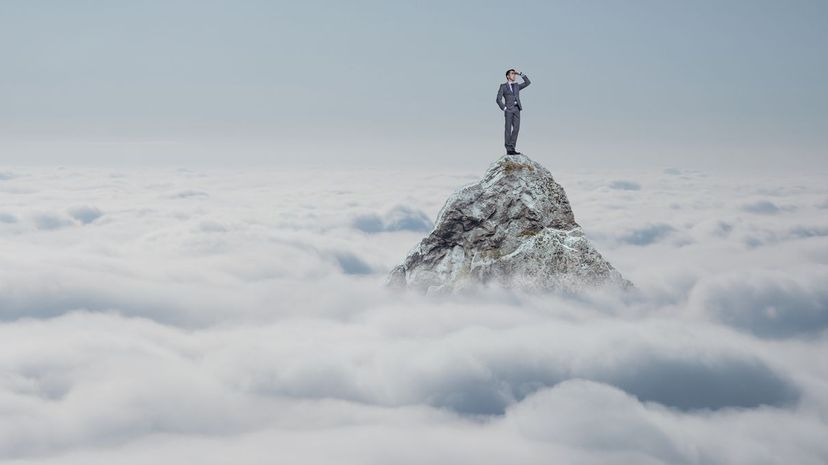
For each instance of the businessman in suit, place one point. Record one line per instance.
(510, 93)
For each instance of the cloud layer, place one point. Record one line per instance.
(191, 316)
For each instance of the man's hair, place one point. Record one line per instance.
(509, 71)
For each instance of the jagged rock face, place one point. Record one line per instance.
(514, 228)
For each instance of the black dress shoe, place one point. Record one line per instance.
(516, 153)
(511, 152)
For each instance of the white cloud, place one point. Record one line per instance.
(202, 315)
(765, 207)
(768, 303)
(85, 214)
(625, 184)
(399, 218)
(48, 220)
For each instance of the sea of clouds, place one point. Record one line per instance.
(219, 316)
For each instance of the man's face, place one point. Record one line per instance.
(512, 75)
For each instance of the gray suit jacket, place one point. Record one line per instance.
(512, 98)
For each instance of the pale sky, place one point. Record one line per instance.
(705, 84)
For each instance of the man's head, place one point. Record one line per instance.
(511, 75)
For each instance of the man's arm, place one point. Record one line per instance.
(500, 98)
(525, 82)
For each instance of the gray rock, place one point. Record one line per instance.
(514, 228)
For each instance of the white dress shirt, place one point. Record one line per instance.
(511, 86)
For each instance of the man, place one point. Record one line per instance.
(510, 92)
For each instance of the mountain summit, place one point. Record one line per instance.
(514, 228)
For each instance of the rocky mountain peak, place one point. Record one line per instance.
(514, 228)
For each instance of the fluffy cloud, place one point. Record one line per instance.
(762, 206)
(85, 214)
(768, 303)
(399, 218)
(626, 185)
(212, 314)
(47, 220)
(647, 235)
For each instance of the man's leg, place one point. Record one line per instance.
(515, 129)
(507, 136)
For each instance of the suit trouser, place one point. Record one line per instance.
(512, 128)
